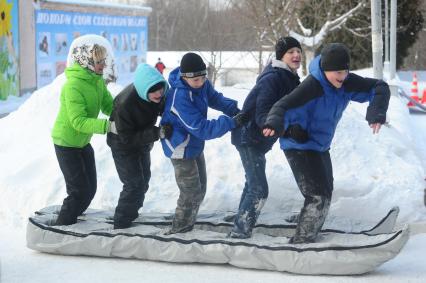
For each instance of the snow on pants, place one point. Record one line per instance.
(314, 176)
(134, 169)
(79, 170)
(191, 178)
(255, 190)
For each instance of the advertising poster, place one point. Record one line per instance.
(55, 30)
(9, 57)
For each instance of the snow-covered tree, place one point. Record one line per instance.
(318, 19)
(309, 21)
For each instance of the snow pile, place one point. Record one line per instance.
(372, 172)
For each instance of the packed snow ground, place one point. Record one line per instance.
(372, 173)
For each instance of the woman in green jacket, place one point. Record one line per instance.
(83, 96)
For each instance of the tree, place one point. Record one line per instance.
(255, 25)
(309, 21)
(163, 21)
(270, 20)
(410, 22)
(357, 33)
(318, 19)
(197, 25)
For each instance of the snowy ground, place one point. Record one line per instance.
(372, 174)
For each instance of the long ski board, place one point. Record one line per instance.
(215, 222)
(335, 252)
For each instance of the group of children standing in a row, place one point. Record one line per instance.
(303, 116)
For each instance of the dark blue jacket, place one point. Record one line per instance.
(272, 84)
(317, 106)
(186, 110)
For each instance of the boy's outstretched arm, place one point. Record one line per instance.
(221, 103)
(373, 90)
(195, 122)
(376, 111)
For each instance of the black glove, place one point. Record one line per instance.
(166, 131)
(149, 135)
(241, 119)
(297, 133)
(236, 111)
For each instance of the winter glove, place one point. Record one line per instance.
(149, 135)
(166, 131)
(374, 116)
(297, 133)
(241, 119)
(235, 112)
(112, 128)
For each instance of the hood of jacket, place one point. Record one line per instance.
(78, 72)
(175, 81)
(147, 76)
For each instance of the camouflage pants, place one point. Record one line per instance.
(313, 172)
(191, 178)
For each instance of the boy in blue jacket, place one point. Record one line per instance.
(278, 79)
(187, 102)
(315, 108)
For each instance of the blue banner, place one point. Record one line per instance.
(9, 49)
(55, 30)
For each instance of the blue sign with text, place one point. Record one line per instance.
(55, 30)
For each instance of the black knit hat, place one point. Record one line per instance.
(335, 57)
(192, 66)
(156, 87)
(284, 44)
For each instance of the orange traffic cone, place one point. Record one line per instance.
(424, 97)
(414, 90)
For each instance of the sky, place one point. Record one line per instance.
(372, 173)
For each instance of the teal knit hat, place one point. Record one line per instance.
(146, 77)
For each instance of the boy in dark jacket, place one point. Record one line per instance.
(277, 80)
(315, 108)
(187, 102)
(131, 139)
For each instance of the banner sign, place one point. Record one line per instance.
(9, 49)
(55, 30)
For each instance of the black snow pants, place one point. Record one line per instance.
(314, 176)
(79, 170)
(134, 169)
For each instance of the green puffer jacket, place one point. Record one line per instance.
(83, 96)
